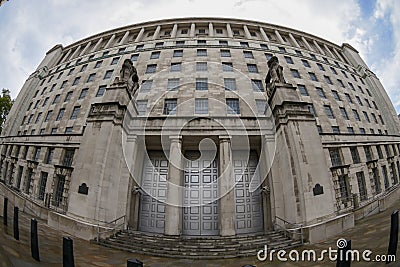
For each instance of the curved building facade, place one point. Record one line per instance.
(204, 147)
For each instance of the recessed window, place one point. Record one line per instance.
(134, 57)
(227, 66)
(159, 44)
(366, 116)
(244, 44)
(333, 70)
(56, 99)
(329, 113)
(335, 156)
(321, 92)
(91, 77)
(68, 130)
(75, 113)
(344, 113)
(362, 131)
(38, 117)
(121, 50)
(173, 84)
(313, 77)
(230, 84)
(91, 57)
(219, 31)
(344, 74)
(335, 129)
(261, 106)
(180, 43)
(348, 98)
(59, 75)
(298, 53)
(356, 115)
(248, 54)
(178, 53)
(257, 85)
(184, 31)
(263, 46)
(222, 42)
(289, 60)
(313, 56)
(295, 73)
(305, 63)
(151, 68)
(84, 67)
(115, 61)
(312, 110)
(70, 71)
(68, 96)
(106, 53)
(232, 106)
(98, 64)
(252, 68)
(327, 79)
(108, 74)
(350, 130)
(319, 129)
(201, 52)
(359, 100)
(201, 42)
(201, 66)
(170, 106)
(282, 49)
(201, 84)
(352, 86)
(201, 106)
(83, 93)
(155, 55)
(146, 86)
(302, 89)
(76, 81)
(101, 91)
(60, 114)
(177, 66)
(54, 130)
(320, 67)
(139, 47)
(48, 116)
(46, 100)
(225, 53)
(268, 56)
(336, 95)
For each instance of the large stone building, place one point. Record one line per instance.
(204, 148)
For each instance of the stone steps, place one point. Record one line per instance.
(210, 247)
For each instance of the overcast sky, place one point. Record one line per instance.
(30, 28)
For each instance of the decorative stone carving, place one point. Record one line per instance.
(275, 75)
(128, 75)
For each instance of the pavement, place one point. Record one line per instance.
(371, 233)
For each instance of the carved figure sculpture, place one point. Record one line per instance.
(275, 75)
(128, 74)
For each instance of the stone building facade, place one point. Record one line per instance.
(322, 148)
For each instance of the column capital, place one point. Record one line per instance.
(175, 138)
(224, 138)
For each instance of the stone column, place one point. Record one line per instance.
(318, 48)
(76, 52)
(110, 41)
(265, 163)
(139, 36)
(132, 209)
(264, 35)
(173, 211)
(306, 43)
(226, 188)
(157, 32)
(229, 30)
(247, 32)
(294, 40)
(124, 38)
(85, 49)
(329, 51)
(192, 30)
(280, 39)
(97, 45)
(174, 30)
(210, 29)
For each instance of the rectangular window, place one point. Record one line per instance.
(39, 116)
(344, 188)
(68, 96)
(394, 174)
(134, 57)
(295, 73)
(225, 53)
(68, 130)
(359, 100)
(42, 185)
(312, 110)
(354, 155)
(91, 77)
(159, 44)
(344, 113)
(327, 79)
(221, 42)
(336, 129)
(362, 189)
(75, 113)
(28, 180)
(178, 53)
(155, 55)
(108, 74)
(329, 112)
(379, 149)
(320, 92)
(64, 83)
(305, 63)
(68, 157)
(248, 54)
(101, 91)
(257, 85)
(98, 64)
(201, 106)
(46, 100)
(37, 154)
(201, 66)
(232, 106)
(320, 67)
(230, 84)
(244, 44)
(201, 84)
(151, 68)
(336, 95)
(227, 66)
(142, 107)
(170, 106)
(377, 182)
(356, 115)
(348, 98)
(84, 67)
(350, 130)
(368, 153)
(385, 177)
(282, 49)
(336, 158)
(263, 46)
(201, 52)
(351, 86)
(76, 81)
(261, 106)
(50, 154)
(83, 93)
(252, 68)
(201, 42)
(173, 84)
(313, 77)
(289, 60)
(115, 61)
(146, 86)
(60, 114)
(48, 116)
(362, 131)
(268, 56)
(177, 66)
(139, 47)
(366, 116)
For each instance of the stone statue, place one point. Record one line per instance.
(128, 74)
(275, 75)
